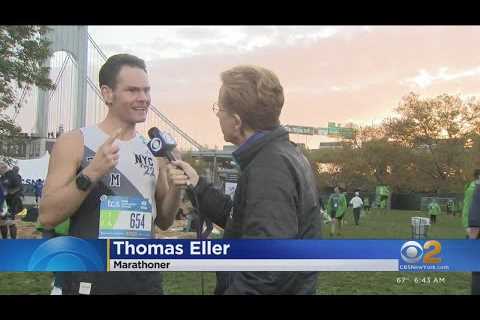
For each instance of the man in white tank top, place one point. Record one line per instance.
(97, 171)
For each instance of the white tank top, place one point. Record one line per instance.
(134, 177)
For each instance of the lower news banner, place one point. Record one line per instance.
(74, 254)
(294, 255)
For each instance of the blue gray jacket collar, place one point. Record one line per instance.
(247, 150)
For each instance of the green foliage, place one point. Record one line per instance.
(23, 51)
(431, 146)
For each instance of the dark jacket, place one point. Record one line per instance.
(474, 211)
(3, 193)
(11, 181)
(275, 198)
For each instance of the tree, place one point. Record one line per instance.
(364, 161)
(23, 51)
(431, 146)
(436, 131)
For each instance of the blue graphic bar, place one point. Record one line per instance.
(73, 254)
(57, 254)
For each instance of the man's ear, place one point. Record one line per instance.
(238, 123)
(107, 94)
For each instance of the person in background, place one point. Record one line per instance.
(336, 207)
(357, 204)
(434, 210)
(38, 186)
(366, 203)
(12, 182)
(450, 207)
(323, 212)
(471, 215)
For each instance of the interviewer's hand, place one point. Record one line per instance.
(189, 171)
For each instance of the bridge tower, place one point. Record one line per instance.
(74, 40)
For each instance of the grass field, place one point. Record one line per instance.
(392, 225)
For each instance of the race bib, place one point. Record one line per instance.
(125, 218)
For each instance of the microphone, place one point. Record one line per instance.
(162, 145)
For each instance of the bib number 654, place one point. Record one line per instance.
(137, 220)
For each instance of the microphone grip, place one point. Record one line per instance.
(170, 156)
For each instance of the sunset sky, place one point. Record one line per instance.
(329, 73)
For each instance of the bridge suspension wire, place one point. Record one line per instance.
(154, 117)
(19, 103)
(62, 69)
(17, 107)
(62, 99)
(97, 47)
(61, 111)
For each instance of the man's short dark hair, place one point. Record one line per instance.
(476, 173)
(110, 69)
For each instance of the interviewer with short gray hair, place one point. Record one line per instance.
(276, 196)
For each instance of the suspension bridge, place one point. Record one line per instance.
(76, 100)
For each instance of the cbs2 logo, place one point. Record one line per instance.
(412, 252)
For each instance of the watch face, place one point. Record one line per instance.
(83, 182)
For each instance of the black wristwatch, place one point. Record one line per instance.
(83, 182)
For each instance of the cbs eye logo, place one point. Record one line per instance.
(156, 144)
(66, 254)
(413, 252)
